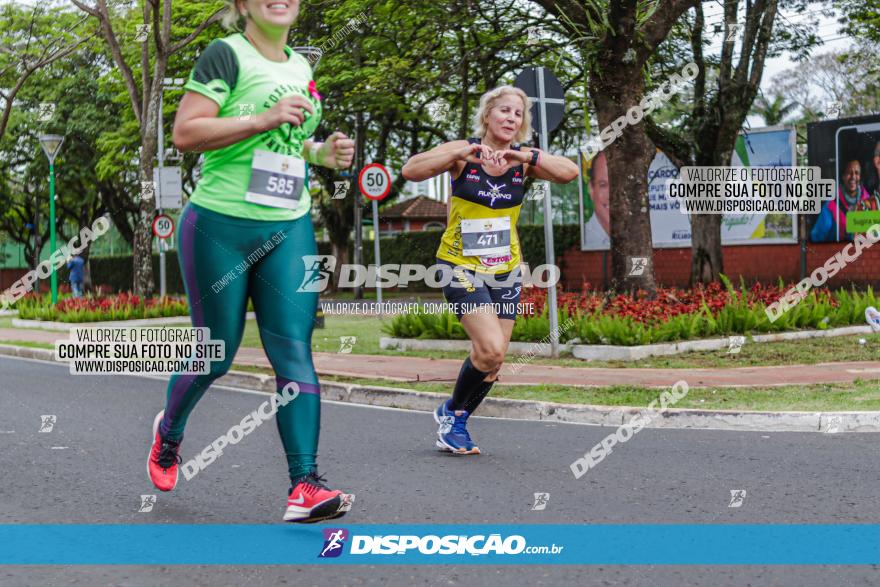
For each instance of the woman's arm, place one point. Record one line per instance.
(550, 167)
(197, 127)
(823, 229)
(553, 168)
(337, 152)
(439, 159)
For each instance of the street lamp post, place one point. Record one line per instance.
(51, 145)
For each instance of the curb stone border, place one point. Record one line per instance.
(604, 352)
(540, 349)
(825, 422)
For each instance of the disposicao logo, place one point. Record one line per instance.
(334, 541)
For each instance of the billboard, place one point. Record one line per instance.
(848, 150)
(767, 147)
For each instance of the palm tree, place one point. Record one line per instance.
(773, 112)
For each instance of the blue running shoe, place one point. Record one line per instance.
(452, 434)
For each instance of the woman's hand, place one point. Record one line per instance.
(476, 153)
(337, 152)
(290, 110)
(508, 158)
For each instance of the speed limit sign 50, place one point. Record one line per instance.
(163, 226)
(375, 181)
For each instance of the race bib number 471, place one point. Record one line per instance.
(485, 236)
(276, 180)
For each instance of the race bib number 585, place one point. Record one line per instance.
(276, 180)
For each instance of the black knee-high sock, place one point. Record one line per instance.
(478, 396)
(468, 379)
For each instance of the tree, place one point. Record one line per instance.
(402, 82)
(721, 102)
(29, 41)
(861, 17)
(617, 38)
(155, 51)
(80, 114)
(42, 99)
(834, 84)
(773, 111)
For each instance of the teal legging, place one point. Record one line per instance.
(224, 260)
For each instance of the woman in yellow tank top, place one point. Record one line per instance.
(480, 244)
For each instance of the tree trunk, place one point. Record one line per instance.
(707, 259)
(628, 159)
(144, 284)
(143, 230)
(143, 245)
(340, 252)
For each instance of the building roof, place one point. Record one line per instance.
(419, 207)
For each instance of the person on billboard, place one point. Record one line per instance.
(851, 197)
(874, 185)
(597, 230)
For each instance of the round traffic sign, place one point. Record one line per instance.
(163, 226)
(541, 86)
(374, 181)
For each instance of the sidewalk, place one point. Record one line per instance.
(396, 368)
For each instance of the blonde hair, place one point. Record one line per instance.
(488, 101)
(233, 19)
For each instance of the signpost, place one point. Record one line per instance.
(163, 226)
(548, 107)
(374, 182)
(169, 188)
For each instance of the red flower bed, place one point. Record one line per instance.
(117, 302)
(124, 306)
(669, 301)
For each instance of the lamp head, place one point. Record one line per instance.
(51, 145)
(312, 54)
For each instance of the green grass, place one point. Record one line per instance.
(29, 344)
(368, 330)
(326, 340)
(857, 396)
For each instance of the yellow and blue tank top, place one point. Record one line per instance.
(481, 231)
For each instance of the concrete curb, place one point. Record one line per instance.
(540, 349)
(620, 353)
(603, 352)
(390, 397)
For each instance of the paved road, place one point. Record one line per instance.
(387, 458)
(400, 368)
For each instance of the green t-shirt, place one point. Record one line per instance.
(234, 74)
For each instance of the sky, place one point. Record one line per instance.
(828, 30)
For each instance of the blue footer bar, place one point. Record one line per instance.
(635, 544)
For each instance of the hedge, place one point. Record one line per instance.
(409, 247)
(421, 247)
(118, 273)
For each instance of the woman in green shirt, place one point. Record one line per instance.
(251, 107)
